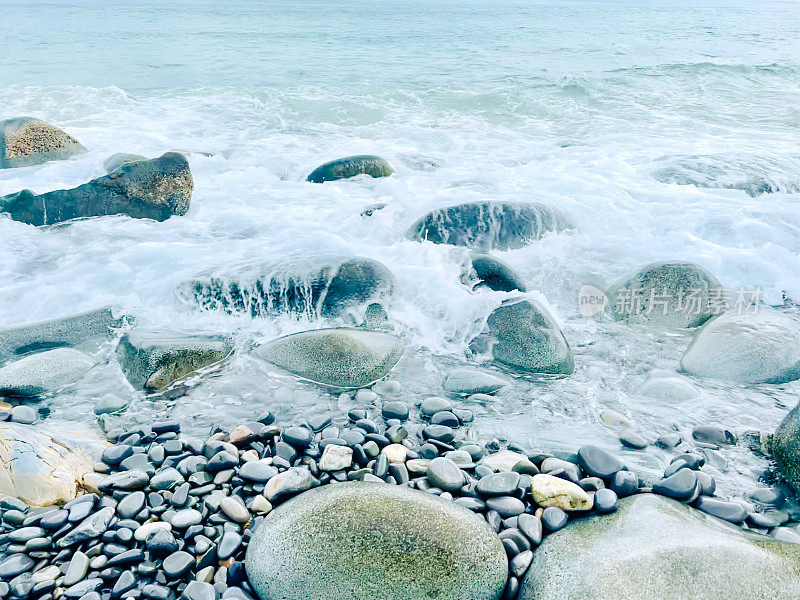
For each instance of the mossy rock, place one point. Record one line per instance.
(364, 541)
(25, 141)
(344, 168)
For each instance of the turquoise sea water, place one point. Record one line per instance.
(655, 126)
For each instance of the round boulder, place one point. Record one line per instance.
(524, 336)
(44, 372)
(786, 446)
(25, 141)
(494, 274)
(490, 224)
(344, 168)
(747, 348)
(668, 295)
(340, 357)
(361, 541)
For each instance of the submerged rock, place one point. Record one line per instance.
(656, 548)
(361, 541)
(149, 189)
(44, 372)
(494, 274)
(667, 294)
(115, 161)
(471, 381)
(748, 348)
(485, 225)
(343, 168)
(339, 357)
(154, 360)
(317, 290)
(67, 331)
(786, 446)
(26, 141)
(42, 469)
(668, 387)
(522, 335)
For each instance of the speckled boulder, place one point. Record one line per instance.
(313, 289)
(786, 446)
(656, 548)
(667, 295)
(154, 360)
(521, 334)
(149, 189)
(746, 348)
(491, 224)
(26, 141)
(43, 469)
(344, 168)
(364, 541)
(340, 357)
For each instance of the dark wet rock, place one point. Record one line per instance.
(131, 505)
(349, 541)
(506, 506)
(494, 274)
(444, 474)
(341, 357)
(631, 439)
(44, 372)
(667, 295)
(154, 360)
(531, 527)
(747, 348)
(125, 480)
(317, 289)
(553, 518)
(605, 501)
(344, 168)
(713, 434)
(26, 141)
(646, 549)
(178, 563)
(152, 189)
(15, 564)
(290, 482)
(92, 527)
(680, 486)
(115, 161)
(498, 484)
(67, 331)
(728, 511)
(199, 590)
(598, 462)
(489, 224)
(522, 335)
(395, 410)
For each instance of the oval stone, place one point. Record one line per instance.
(361, 541)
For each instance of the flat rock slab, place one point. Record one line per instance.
(148, 189)
(660, 549)
(154, 360)
(339, 357)
(362, 541)
(73, 330)
(43, 469)
(25, 141)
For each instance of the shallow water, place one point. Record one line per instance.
(653, 126)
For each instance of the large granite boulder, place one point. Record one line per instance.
(785, 445)
(668, 295)
(660, 549)
(344, 168)
(364, 541)
(489, 224)
(521, 334)
(26, 141)
(747, 348)
(339, 357)
(149, 189)
(494, 274)
(320, 289)
(43, 469)
(74, 330)
(153, 360)
(44, 372)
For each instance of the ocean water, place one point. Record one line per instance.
(664, 130)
